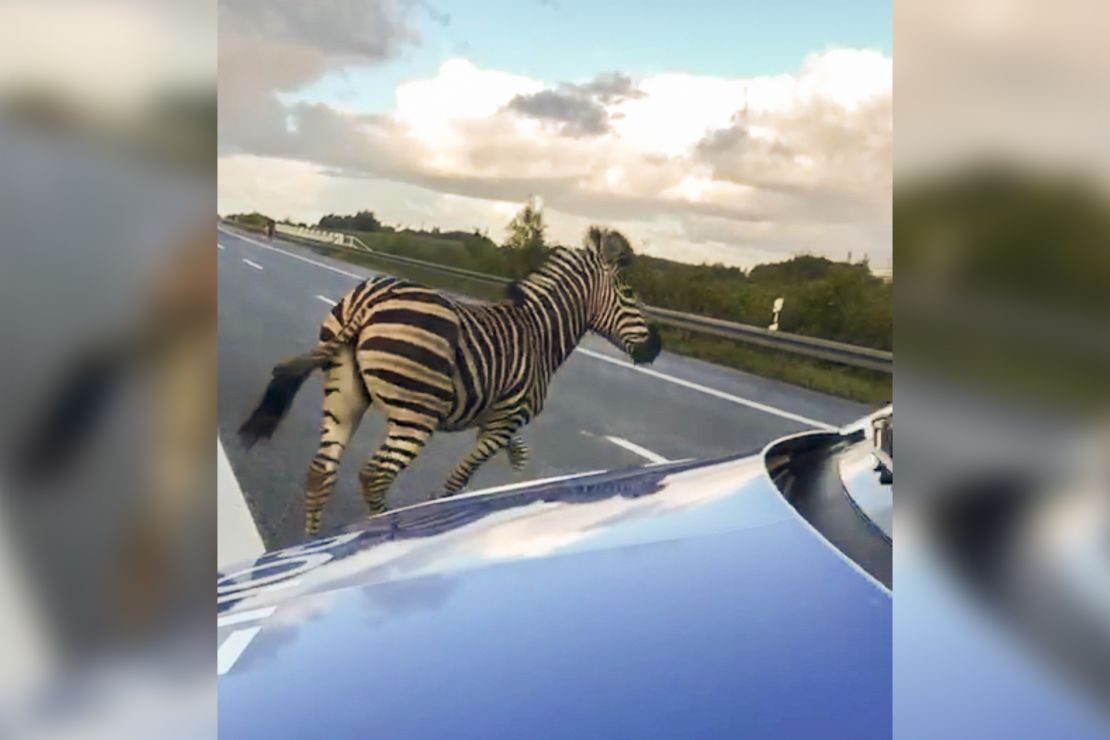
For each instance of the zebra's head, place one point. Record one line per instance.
(615, 311)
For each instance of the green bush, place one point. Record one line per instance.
(255, 220)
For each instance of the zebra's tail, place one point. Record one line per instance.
(70, 415)
(288, 377)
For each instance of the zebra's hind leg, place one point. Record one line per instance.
(345, 403)
(518, 452)
(403, 442)
(491, 438)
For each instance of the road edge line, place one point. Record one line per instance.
(237, 539)
(711, 391)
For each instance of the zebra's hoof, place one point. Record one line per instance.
(518, 456)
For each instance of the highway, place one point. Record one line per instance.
(601, 413)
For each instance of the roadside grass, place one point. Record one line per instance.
(856, 384)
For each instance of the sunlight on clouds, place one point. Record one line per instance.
(692, 187)
(677, 110)
(847, 77)
(461, 90)
(804, 155)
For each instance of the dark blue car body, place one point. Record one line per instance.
(684, 600)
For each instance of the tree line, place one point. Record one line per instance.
(841, 301)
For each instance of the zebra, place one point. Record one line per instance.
(437, 364)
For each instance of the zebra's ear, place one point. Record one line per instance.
(593, 238)
(615, 249)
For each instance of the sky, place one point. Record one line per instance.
(732, 132)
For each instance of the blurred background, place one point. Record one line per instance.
(1002, 239)
(107, 518)
(1002, 243)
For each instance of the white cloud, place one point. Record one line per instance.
(459, 91)
(438, 112)
(733, 170)
(676, 111)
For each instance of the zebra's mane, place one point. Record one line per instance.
(515, 292)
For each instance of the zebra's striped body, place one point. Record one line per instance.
(436, 364)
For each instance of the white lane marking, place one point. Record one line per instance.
(219, 246)
(233, 647)
(294, 256)
(255, 265)
(653, 373)
(326, 300)
(637, 449)
(251, 615)
(237, 538)
(711, 391)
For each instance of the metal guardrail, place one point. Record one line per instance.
(331, 238)
(820, 349)
(446, 269)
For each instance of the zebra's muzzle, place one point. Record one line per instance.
(646, 351)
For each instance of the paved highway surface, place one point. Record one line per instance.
(601, 413)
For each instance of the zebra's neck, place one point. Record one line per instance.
(552, 302)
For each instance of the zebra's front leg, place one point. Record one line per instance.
(491, 438)
(402, 444)
(518, 452)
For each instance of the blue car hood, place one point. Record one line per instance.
(680, 601)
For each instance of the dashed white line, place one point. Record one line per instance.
(637, 449)
(255, 265)
(294, 256)
(233, 647)
(711, 391)
(219, 246)
(326, 300)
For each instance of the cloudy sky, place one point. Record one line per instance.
(736, 132)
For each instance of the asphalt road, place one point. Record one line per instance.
(601, 412)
